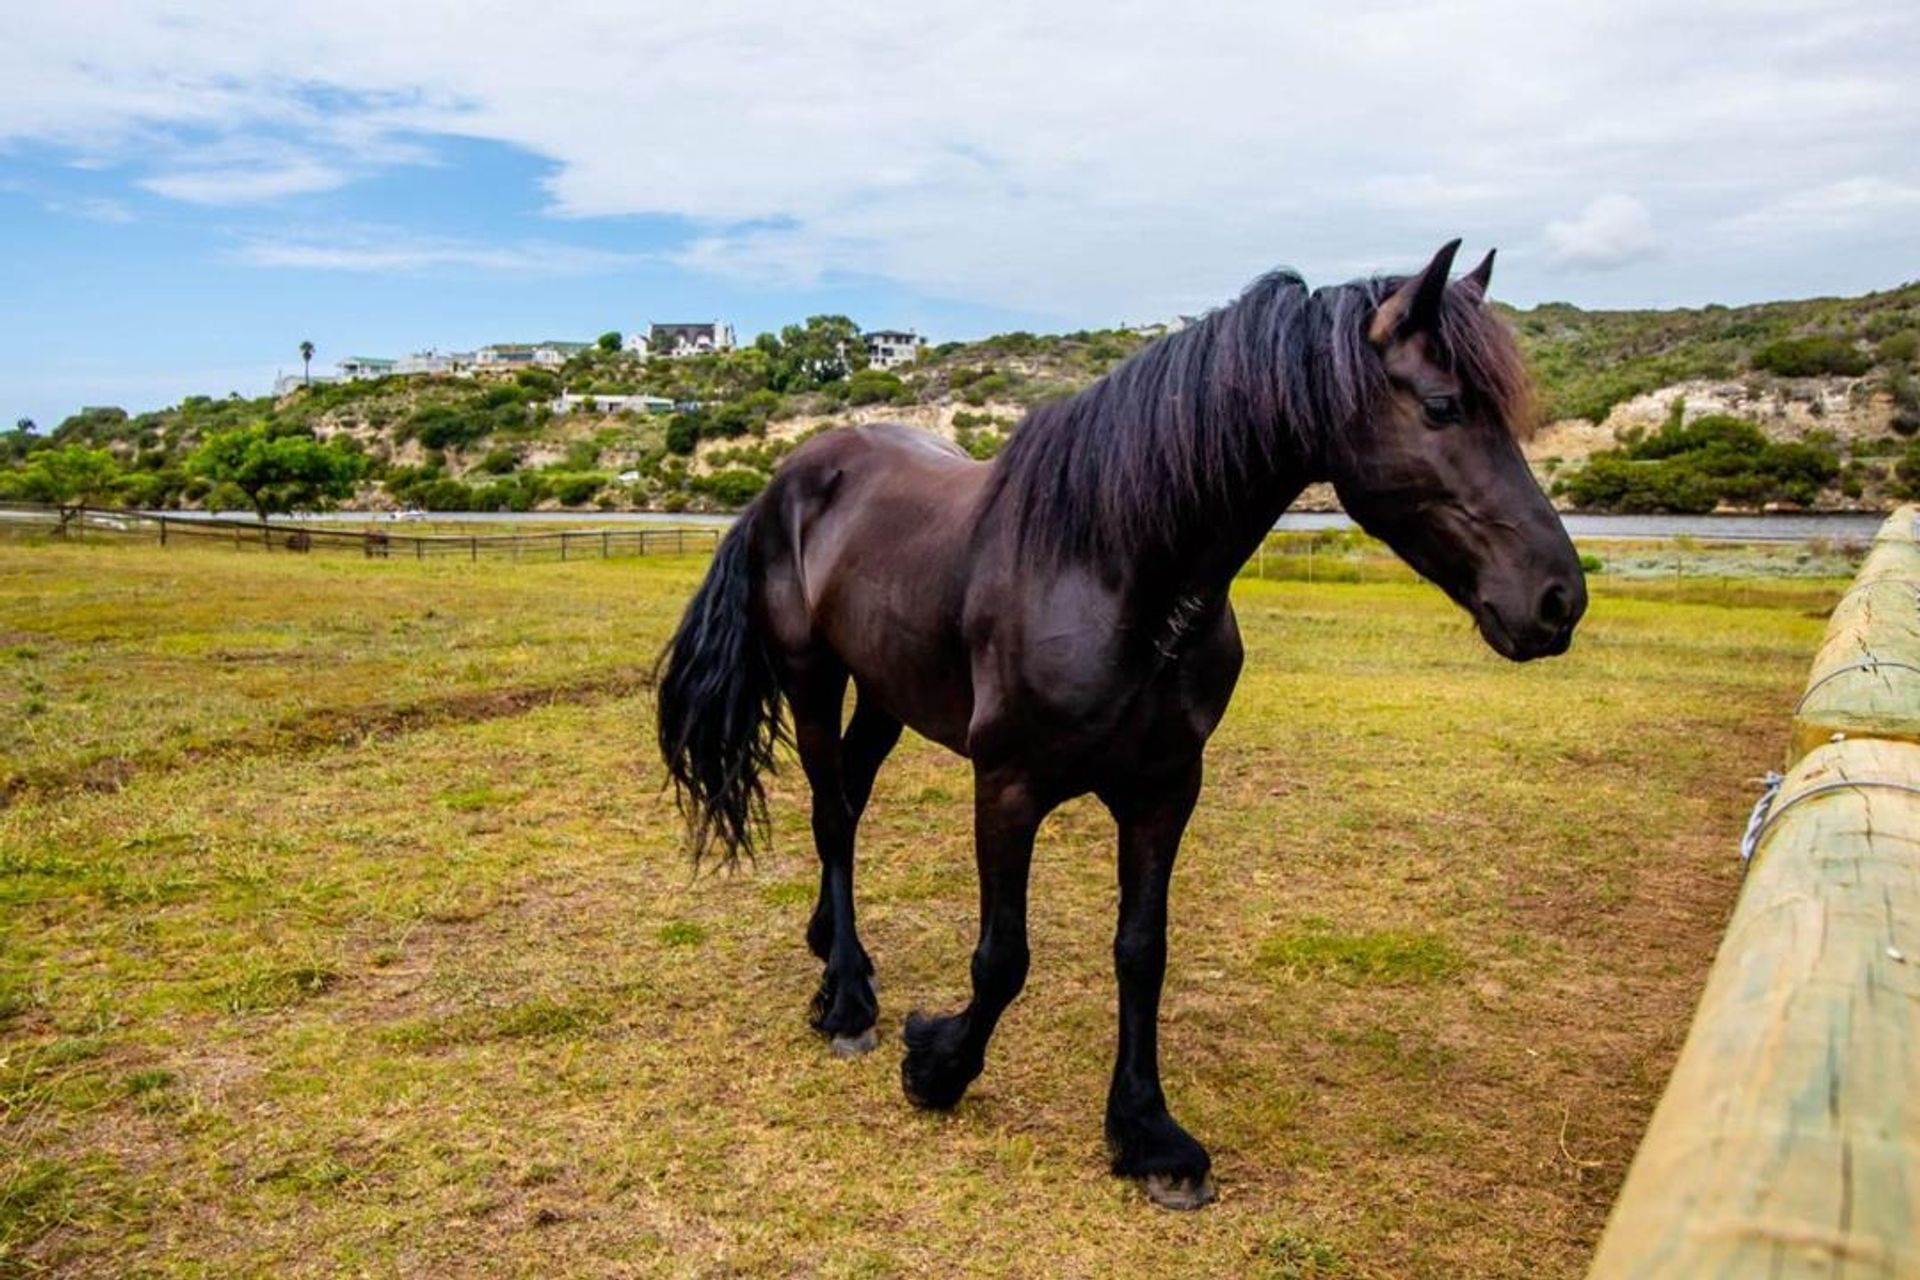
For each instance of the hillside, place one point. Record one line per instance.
(1809, 403)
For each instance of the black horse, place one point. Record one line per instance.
(1060, 617)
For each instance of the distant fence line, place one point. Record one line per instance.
(166, 530)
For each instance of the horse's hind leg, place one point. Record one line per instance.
(841, 777)
(870, 736)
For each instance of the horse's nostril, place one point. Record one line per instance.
(1556, 606)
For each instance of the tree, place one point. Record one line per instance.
(70, 477)
(609, 341)
(306, 363)
(16, 444)
(279, 473)
(683, 433)
(825, 349)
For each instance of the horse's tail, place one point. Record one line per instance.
(719, 706)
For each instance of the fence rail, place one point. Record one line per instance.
(163, 529)
(1787, 1142)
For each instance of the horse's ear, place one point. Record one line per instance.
(1477, 280)
(1415, 305)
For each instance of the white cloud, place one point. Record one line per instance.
(391, 251)
(1837, 207)
(1613, 231)
(1087, 156)
(245, 185)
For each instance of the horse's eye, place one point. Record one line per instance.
(1442, 411)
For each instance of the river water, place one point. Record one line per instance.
(1848, 527)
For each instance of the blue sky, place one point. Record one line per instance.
(187, 191)
(119, 295)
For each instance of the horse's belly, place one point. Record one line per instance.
(913, 665)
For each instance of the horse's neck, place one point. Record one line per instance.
(1212, 555)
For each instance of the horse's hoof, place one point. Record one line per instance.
(1183, 1194)
(853, 1046)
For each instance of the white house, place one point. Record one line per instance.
(360, 368)
(288, 383)
(431, 361)
(568, 401)
(684, 339)
(891, 348)
(521, 355)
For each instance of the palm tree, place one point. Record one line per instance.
(306, 363)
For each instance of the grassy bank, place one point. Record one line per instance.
(344, 928)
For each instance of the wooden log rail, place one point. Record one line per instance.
(1787, 1143)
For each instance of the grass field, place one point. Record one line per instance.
(344, 929)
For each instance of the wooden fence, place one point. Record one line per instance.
(166, 530)
(1787, 1143)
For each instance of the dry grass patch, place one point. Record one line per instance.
(449, 999)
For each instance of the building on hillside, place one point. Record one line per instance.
(672, 340)
(431, 361)
(891, 348)
(285, 384)
(1161, 328)
(569, 402)
(360, 368)
(523, 355)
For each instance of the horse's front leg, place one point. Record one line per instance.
(945, 1054)
(1145, 1140)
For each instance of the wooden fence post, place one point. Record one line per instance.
(1787, 1141)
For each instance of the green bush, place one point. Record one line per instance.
(443, 426)
(1899, 348)
(734, 487)
(574, 488)
(542, 382)
(1695, 467)
(1812, 356)
(683, 433)
(871, 386)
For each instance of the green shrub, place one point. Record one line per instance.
(734, 487)
(871, 386)
(573, 488)
(1812, 356)
(541, 382)
(1899, 348)
(683, 433)
(1694, 467)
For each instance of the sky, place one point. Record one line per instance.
(190, 189)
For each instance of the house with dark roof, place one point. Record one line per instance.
(686, 339)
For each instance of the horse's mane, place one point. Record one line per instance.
(1181, 430)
